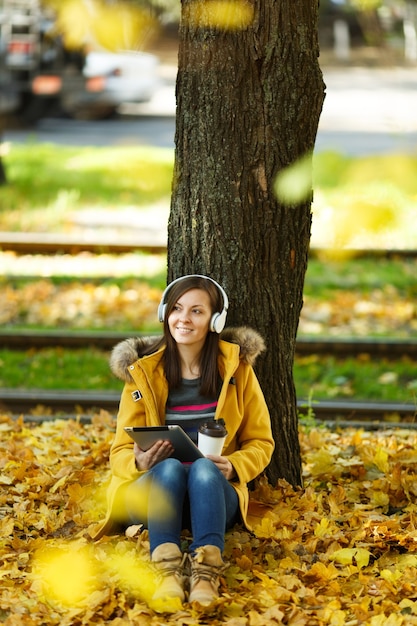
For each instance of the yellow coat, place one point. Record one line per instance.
(249, 443)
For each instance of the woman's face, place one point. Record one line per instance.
(190, 318)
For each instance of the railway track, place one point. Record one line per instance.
(38, 405)
(388, 348)
(52, 243)
(55, 243)
(82, 404)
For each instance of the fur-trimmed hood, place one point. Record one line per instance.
(130, 350)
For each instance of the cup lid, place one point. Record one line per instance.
(213, 428)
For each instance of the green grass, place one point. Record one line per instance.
(47, 184)
(323, 377)
(56, 368)
(360, 274)
(333, 170)
(361, 378)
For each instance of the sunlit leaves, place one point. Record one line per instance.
(342, 550)
(361, 202)
(221, 14)
(79, 304)
(368, 212)
(95, 23)
(134, 575)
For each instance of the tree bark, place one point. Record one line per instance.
(248, 106)
(3, 177)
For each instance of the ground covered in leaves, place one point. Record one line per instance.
(340, 551)
(88, 304)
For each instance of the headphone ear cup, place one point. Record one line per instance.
(218, 321)
(161, 311)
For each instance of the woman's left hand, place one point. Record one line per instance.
(224, 465)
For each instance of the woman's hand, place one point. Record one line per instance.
(224, 465)
(145, 459)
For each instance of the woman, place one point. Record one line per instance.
(186, 377)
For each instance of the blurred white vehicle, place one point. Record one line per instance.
(112, 80)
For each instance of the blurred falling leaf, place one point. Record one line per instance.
(134, 575)
(294, 184)
(66, 574)
(221, 14)
(97, 24)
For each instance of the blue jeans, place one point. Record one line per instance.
(197, 497)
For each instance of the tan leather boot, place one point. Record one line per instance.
(206, 567)
(169, 563)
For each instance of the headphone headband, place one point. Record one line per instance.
(218, 319)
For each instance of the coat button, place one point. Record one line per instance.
(131, 367)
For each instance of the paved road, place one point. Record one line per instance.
(365, 111)
(369, 111)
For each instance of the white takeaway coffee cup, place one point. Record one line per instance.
(211, 437)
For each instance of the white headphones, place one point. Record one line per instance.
(217, 321)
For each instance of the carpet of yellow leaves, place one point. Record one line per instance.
(341, 551)
(79, 304)
(86, 304)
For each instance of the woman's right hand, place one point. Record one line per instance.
(145, 459)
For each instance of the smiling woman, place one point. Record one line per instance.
(190, 375)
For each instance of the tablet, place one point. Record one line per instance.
(185, 449)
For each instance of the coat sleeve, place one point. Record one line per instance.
(131, 413)
(250, 449)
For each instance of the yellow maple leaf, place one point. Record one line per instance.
(391, 576)
(379, 499)
(409, 604)
(322, 529)
(266, 528)
(323, 572)
(244, 562)
(351, 556)
(380, 459)
(322, 462)
(6, 526)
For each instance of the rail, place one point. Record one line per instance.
(381, 347)
(53, 243)
(39, 243)
(64, 403)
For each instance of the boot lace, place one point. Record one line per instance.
(172, 567)
(209, 573)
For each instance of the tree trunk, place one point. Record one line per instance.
(3, 177)
(248, 105)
